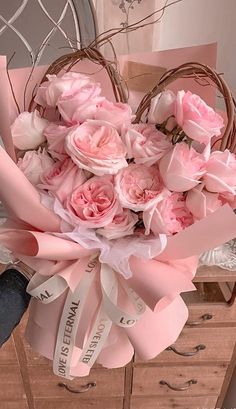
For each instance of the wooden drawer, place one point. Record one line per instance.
(11, 384)
(201, 345)
(14, 405)
(147, 381)
(210, 314)
(44, 384)
(83, 404)
(8, 353)
(208, 402)
(207, 306)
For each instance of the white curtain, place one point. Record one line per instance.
(115, 13)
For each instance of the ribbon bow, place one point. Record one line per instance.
(48, 290)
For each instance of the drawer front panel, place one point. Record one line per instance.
(185, 380)
(207, 402)
(11, 384)
(209, 313)
(200, 345)
(14, 405)
(83, 404)
(100, 383)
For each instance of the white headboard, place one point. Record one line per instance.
(39, 31)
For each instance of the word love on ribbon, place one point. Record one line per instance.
(47, 290)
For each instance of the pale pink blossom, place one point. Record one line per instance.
(118, 114)
(201, 203)
(181, 168)
(220, 173)
(199, 121)
(78, 105)
(94, 204)
(28, 130)
(51, 90)
(96, 146)
(145, 143)
(139, 186)
(169, 216)
(162, 107)
(228, 198)
(122, 225)
(34, 163)
(62, 178)
(56, 136)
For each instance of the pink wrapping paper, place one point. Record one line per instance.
(205, 54)
(5, 109)
(33, 235)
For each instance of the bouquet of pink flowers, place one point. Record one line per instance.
(113, 211)
(108, 178)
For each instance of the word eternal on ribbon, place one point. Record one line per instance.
(65, 347)
(44, 296)
(70, 320)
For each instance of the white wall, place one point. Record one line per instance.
(194, 22)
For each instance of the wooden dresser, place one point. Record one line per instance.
(194, 373)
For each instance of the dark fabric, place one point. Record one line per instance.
(14, 301)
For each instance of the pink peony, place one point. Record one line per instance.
(28, 130)
(56, 135)
(94, 204)
(199, 121)
(139, 186)
(201, 203)
(62, 178)
(169, 216)
(118, 114)
(97, 147)
(78, 105)
(162, 107)
(221, 172)
(181, 168)
(50, 91)
(122, 225)
(145, 143)
(34, 163)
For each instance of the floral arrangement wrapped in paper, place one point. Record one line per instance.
(112, 209)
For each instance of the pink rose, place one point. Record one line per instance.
(145, 143)
(94, 204)
(56, 136)
(97, 147)
(201, 203)
(162, 107)
(118, 114)
(50, 91)
(139, 186)
(78, 105)
(27, 130)
(181, 168)
(62, 178)
(33, 164)
(228, 198)
(122, 225)
(221, 172)
(169, 216)
(199, 121)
